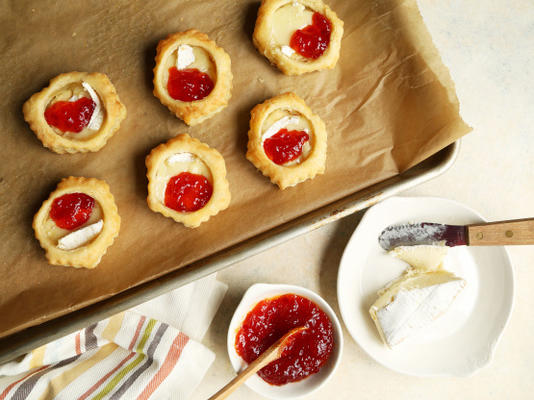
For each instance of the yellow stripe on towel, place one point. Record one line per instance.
(63, 380)
(37, 357)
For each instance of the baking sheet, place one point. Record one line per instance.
(389, 104)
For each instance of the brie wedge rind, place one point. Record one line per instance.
(80, 237)
(184, 56)
(96, 118)
(181, 158)
(412, 302)
(286, 50)
(421, 257)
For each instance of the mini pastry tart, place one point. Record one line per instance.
(192, 76)
(286, 140)
(77, 223)
(186, 181)
(298, 36)
(78, 112)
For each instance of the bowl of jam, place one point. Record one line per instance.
(266, 313)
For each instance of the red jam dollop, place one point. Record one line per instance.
(285, 146)
(271, 319)
(312, 40)
(188, 84)
(70, 116)
(72, 210)
(187, 192)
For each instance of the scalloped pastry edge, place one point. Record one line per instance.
(89, 255)
(286, 176)
(34, 108)
(193, 113)
(289, 66)
(220, 198)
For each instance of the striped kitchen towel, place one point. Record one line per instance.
(151, 351)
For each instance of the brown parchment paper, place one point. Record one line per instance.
(387, 105)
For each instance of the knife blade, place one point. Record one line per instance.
(423, 233)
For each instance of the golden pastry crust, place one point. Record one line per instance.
(113, 109)
(286, 176)
(194, 112)
(90, 254)
(220, 198)
(295, 64)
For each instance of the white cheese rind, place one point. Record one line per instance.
(184, 56)
(181, 158)
(414, 309)
(287, 51)
(80, 237)
(97, 117)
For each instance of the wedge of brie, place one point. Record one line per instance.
(80, 237)
(97, 117)
(412, 302)
(422, 257)
(184, 56)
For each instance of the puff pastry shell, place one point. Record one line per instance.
(183, 143)
(295, 64)
(87, 255)
(194, 112)
(114, 112)
(286, 176)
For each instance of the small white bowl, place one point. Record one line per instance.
(252, 296)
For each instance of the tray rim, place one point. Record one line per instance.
(21, 342)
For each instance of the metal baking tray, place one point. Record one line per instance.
(21, 342)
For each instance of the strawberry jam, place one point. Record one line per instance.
(70, 116)
(271, 319)
(187, 192)
(285, 146)
(72, 210)
(312, 40)
(188, 84)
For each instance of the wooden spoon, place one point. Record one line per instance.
(272, 353)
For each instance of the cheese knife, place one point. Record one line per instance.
(511, 232)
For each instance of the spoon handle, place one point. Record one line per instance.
(265, 358)
(272, 353)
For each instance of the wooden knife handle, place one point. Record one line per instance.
(518, 231)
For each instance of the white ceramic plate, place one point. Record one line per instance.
(461, 341)
(252, 296)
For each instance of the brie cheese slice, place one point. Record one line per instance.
(413, 302)
(181, 158)
(184, 56)
(97, 117)
(286, 50)
(80, 237)
(421, 257)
